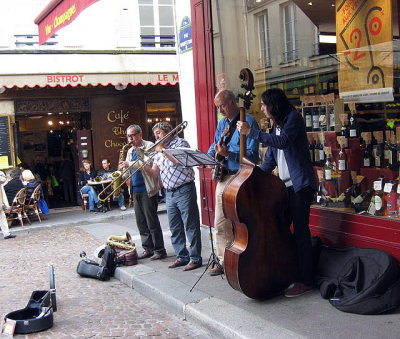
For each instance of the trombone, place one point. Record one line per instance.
(150, 153)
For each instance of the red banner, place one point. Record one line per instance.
(58, 14)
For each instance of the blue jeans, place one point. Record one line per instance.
(183, 217)
(121, 201)
(92, 196)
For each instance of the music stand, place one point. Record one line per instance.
(188, 157)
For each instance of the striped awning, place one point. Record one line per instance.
(63, 80)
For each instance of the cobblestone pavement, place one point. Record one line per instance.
(87, 308)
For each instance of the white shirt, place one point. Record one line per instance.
(282, 165)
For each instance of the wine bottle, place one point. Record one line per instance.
(322, 118)
(315, 118)
(342, 160)
(316, 154)
(332, 118)
(391, 199)
(386, 154)
(344, 133)
(393, 161)
(367, 156)
(379, 198)
(321, 155)
(328, 168)
(379, 156)
(353, 127)
(308, 118)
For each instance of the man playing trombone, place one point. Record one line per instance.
(180, 196)
(144, 190)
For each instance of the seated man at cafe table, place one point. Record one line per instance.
(106, 174)
(14, 185)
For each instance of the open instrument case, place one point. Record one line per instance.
(38, 314)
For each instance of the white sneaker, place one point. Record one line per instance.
(123, 208)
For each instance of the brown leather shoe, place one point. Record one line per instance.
(192, 265)
(144, 255)
(217, 270)
(158, 256)
(297, 289)
(177, 263)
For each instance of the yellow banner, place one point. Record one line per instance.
(364, 44)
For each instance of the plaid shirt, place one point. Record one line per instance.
(173, 175)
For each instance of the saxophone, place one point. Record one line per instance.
(121, 241)
(117, 174)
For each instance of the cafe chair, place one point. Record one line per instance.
(85, 200)
(17, 208)
(32, 206)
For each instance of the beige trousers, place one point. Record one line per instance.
(4, 224)
(3, 218)
(223, 226)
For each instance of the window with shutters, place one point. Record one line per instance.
(289, 33)
(157, 28)
(263, 34)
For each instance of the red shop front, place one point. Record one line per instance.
(227, 36)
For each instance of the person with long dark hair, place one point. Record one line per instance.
(288, 149)
(88, 173)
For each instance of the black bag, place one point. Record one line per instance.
(109, 260)
(91, 269)
(359, 280)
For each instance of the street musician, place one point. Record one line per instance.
(181, 199)
(144, 190)
(227, 145)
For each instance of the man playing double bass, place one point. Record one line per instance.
(226, 145)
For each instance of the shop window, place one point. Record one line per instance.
(263, 31)
(157, 28)
(289, 33)
(161, 111)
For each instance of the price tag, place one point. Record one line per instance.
(377, 185)
(388, 187)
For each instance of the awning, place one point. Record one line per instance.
(63, 80)
(85, 69)
(58, 14)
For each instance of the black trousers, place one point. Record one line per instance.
(148, 223)
(298, 212)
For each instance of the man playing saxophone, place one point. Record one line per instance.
(144, 196)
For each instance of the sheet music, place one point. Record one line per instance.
(189, 157)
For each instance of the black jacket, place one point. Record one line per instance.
(84, 177)
(12, 188)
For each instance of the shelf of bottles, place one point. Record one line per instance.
(357, 170)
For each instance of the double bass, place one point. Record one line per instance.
(261, 261)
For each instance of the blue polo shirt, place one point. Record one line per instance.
(232, 162)
(137, 180)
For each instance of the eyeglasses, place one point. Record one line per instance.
(132, 135)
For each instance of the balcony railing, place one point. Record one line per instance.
(32, 41)
(157, 40)
(289, 56)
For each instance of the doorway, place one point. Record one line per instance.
(45, 141)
